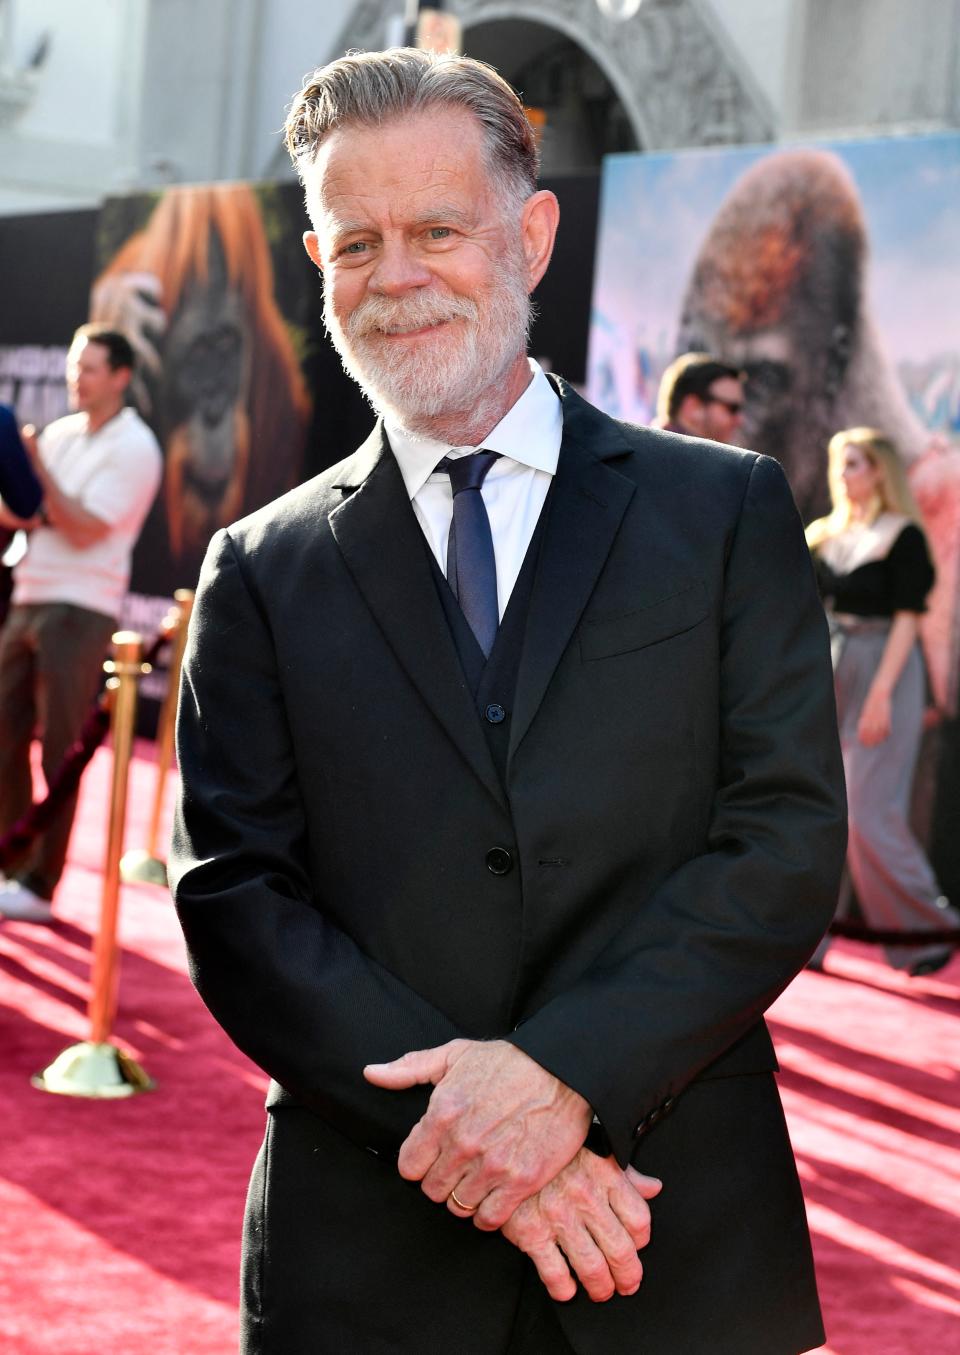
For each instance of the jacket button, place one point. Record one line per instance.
(495, 714)
(499, 861)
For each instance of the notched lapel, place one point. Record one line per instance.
(381, 543)
(588, 501)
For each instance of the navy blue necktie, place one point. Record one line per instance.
(471, 563)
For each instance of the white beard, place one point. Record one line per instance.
(461, 368)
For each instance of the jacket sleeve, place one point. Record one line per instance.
(716, 943)
(292, 990)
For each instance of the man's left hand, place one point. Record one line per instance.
(28, 436)
(589, 1221)
(497, 1129)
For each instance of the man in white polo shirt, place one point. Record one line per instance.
(100, 469)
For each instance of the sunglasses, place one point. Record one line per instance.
(732, 407)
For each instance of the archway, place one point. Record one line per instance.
(584, 119)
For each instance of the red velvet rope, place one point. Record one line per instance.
(879, 936)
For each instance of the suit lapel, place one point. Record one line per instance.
(382, 545)
(588, 501)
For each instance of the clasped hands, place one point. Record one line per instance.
(506, 1137)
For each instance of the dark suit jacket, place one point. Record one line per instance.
(673, 814)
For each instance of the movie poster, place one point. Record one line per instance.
(830, 274)
(190, 276)
(210, 284)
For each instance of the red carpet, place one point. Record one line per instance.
(119, 1222)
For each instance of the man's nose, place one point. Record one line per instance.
(398, 270)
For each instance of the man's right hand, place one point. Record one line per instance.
(589, 1221)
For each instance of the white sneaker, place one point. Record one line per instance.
(22, 904)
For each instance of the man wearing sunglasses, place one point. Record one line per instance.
(702, 398)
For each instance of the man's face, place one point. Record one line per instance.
(789, 410)
(92, 383)
(722, 408)
(426, 285)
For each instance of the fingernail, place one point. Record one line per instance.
(641, 1176)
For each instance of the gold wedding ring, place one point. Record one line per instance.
(467, 1208)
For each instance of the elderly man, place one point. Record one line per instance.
(701, 397)
(511, 798)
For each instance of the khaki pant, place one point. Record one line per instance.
(51, 655)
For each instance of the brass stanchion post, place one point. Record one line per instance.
(96, 1067)
(142, 865)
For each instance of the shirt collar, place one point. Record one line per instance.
(529, 433)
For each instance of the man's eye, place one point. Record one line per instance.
(439, 232)
(355, 247)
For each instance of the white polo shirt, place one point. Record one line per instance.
(114, 473)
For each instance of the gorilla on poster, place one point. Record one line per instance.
(829, 275)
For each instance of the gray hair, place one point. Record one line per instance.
(370, 88)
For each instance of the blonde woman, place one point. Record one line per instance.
(874, 571)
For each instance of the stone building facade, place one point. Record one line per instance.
(116, 95)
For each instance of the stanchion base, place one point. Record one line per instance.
(139, 867)
(95, 1070)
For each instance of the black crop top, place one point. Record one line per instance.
(899, 582)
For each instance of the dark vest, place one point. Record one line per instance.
(493, 680)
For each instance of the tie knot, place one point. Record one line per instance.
(467, 472)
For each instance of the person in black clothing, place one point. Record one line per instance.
(874, 573)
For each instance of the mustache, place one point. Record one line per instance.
(392, 315)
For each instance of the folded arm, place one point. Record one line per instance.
(292, 990)
(300, 998)
(716, 943)
(704, 956)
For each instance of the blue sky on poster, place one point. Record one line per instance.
(656, 210)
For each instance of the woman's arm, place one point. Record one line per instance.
(874, 723)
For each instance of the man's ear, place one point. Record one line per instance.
(311, 243)
(689, 413)
(538, 230)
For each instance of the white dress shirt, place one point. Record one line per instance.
(514, 489)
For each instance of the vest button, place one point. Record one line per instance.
(499, 861)
(495, 714)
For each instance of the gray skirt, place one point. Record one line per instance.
(894, 882)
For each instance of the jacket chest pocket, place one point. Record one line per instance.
(679, 611)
